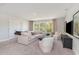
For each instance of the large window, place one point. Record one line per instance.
(44, 26)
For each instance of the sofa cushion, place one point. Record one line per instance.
(24, 33)
(27, 33)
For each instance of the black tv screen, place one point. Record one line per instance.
(69, 27)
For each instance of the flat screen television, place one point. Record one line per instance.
(69, 27)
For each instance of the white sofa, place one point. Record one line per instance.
(27, 37)
(46, 44)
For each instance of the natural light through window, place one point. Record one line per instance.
(44, 26)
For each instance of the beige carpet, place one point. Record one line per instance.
(13, 48)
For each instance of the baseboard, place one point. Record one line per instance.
(76, 53)
(4, 39)
(11, 37)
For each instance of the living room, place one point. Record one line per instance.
(28, 29)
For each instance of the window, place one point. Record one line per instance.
(44, 26)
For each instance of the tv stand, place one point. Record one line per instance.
(67, 41)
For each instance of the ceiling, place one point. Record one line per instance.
(33, 11)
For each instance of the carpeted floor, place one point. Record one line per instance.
(13, 48)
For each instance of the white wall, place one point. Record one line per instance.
(3, 27)
(76, 45)
(10, 24)
(25, 25)
(17, 24)
(14, 25)
(60, 25)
